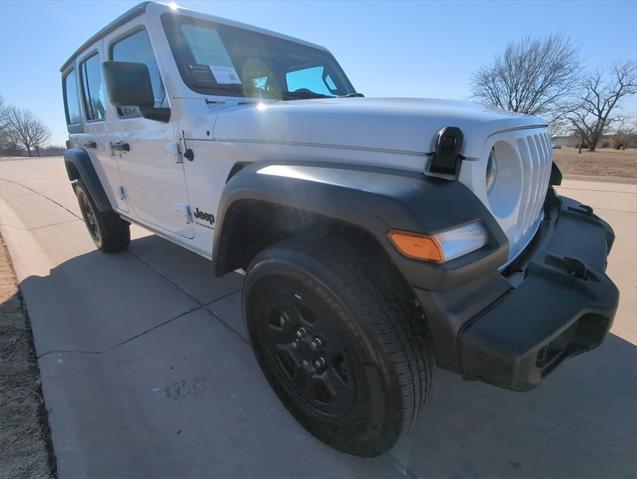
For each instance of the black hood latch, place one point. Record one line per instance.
(445, 160)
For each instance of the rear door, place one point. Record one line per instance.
(150, 165)
(93, 135)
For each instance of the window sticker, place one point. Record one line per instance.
(225, 75)
(208, 49)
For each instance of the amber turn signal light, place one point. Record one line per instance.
(417, 246)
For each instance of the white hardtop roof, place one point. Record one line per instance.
(232, 23)
(141, 8)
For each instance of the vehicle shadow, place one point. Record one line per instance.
(582, 422)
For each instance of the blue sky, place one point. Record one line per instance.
(423, 49)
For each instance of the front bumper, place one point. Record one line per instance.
(555, 301)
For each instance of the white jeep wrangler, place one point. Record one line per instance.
(375, 234)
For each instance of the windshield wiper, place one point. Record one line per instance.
(308, 94)
(351, 95)
(300, 95)
(286, 95)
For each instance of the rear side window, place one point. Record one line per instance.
(71, 99)
(92, 88)
(136, 48)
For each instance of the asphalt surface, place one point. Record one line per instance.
(147, 372)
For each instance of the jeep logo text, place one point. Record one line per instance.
(202, 215)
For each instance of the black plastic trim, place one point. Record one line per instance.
(556, 175)
(554, 301)
(375, 200)
(79, 167)
(446, 158)
(508, 328)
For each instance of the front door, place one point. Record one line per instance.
(150, 165)
(153, 177)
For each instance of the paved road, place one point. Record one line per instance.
(147, 372)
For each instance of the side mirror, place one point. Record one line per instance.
(128, 84)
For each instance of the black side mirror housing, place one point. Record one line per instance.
(128, 84)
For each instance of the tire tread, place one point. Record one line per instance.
(386, 304)
(114, 231)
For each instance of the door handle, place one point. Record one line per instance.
(120, 146)
(90, 144)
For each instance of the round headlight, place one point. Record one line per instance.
(503, 179)
(491, 171)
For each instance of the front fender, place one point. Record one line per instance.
(375, 200)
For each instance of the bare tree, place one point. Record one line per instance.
(4, 113)
(21, 124)
(532, 76)
(5, 137)
(626, 138)
(40, 134)
(19, 128)
(595, 111)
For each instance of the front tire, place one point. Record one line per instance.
(108, 231)
(340, 339)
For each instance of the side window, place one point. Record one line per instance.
(71, 99)
(310, 79)
(92, 88)
(136, 48)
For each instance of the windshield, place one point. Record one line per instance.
(217, 59)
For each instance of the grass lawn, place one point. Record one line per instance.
(25, 448)
(603, 162)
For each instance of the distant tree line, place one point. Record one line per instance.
(544, 77)
(619, 140)
(22, 133)
(622, 139)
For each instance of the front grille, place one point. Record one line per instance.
(535, 153)
(536, 159)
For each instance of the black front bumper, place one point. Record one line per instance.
(512, 329)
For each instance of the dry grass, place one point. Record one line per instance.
(24, 432)
(604, 162)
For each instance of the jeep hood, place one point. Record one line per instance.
(401, 125)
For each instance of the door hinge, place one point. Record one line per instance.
(181, 147)
(180, 154)
(183, 151)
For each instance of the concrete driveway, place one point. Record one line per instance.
(147, 372)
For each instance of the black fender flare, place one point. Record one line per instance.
(79, 167)
(375, 200)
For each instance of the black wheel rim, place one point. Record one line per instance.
(306, 354)
(90, 219)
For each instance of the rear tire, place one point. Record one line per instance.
(338, 335)
(108, 231)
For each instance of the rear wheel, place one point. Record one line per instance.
(340, 339)
(108, 231)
